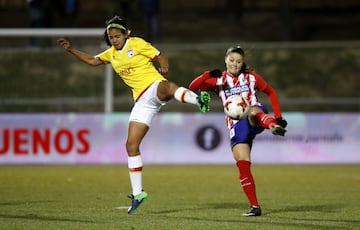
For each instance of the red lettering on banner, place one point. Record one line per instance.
(23, 141)
(20, 139)
(5, 141)
(42, 140)
(85, 144)
(63, 141)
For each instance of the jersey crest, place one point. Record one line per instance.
(130, 53)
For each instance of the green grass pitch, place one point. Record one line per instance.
(180, 197)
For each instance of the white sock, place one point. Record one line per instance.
(135, 172)
(185, 95)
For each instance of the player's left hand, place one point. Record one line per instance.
(163, 70)
(282, 122)
(215, 73)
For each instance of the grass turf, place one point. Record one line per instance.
(180, 197)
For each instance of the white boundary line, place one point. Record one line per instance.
(122, 207)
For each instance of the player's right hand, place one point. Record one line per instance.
(64, 43)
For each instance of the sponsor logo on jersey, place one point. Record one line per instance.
(236, 90)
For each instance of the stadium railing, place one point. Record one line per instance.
(109, 100)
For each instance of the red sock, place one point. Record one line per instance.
(265, 120)
(247, 181)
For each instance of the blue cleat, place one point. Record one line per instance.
(136, 201)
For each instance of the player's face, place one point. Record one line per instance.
(117, 37)
(234, 62)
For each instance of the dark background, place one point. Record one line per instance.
(210, 20)
(308, 50)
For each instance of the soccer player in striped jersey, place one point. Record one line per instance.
(132, 59)
(239, 79)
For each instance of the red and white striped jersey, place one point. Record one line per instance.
(243, 85)
(246, 84)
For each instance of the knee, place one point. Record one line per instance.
(252, 116)
(170, 87)
(132, 148)
(166, 90)
(255, 110)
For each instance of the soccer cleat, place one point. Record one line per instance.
(136, 201)
(204, 101)
(254, 211)
(278, 130)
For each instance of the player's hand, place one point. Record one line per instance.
(65, 43)
(282, 122)
(163, 70)
(215, 73)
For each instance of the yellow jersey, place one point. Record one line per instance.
(133, 63)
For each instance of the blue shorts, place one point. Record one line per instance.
(243, 132)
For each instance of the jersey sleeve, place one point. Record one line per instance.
(146, 49)
(104, 56)
(264, 87)
(203, 83)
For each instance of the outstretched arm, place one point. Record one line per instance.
(275, 105)
(203, 82)
(88, 59)
(274, 101)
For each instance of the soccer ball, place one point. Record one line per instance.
(236, 107)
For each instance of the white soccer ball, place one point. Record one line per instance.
(236, 107)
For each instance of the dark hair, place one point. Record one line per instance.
(115, 22)
(237, 49)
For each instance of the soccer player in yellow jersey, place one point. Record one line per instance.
(132, 59)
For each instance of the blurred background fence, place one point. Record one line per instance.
(309, 51)
(309, 76)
